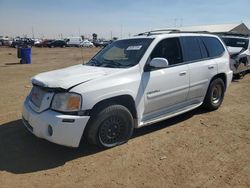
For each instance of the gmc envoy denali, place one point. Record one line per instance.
(129, 84)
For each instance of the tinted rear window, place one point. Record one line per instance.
(203, 48)
(192, 49)
(213, 46)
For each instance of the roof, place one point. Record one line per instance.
(166, 35)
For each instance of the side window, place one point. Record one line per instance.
(203, 48)
(191, 49)
(169, 49)
(214, 46)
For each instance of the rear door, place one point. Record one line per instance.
(200, 54)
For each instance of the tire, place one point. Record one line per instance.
(215, 95)
(110, 126)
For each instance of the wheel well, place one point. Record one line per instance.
(124, 100)
(221, 76)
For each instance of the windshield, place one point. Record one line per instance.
(236, 42)
(121, 54)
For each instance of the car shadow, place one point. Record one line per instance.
(21, 152)
(167, 123)
(13, 63)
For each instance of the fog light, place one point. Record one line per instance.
(50, 130)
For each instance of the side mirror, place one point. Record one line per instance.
(159, 63)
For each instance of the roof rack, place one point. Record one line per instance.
(191, 32)
(156, 32)
(167, 31)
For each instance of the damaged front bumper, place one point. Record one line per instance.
(55, 127)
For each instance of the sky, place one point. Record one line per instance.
(113, 18)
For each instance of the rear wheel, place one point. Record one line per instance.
(110, 126)
(215, 95)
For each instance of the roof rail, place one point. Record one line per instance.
(164, 31)
(159, 31)
(191, 32)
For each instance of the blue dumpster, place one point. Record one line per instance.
(26, 55)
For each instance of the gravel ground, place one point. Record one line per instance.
(196, 149)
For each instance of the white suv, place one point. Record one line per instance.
(129, 84)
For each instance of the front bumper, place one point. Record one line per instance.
(67, 133)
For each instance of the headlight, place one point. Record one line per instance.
(66, 102)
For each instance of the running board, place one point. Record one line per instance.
(169, 115)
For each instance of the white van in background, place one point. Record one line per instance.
(74, 41)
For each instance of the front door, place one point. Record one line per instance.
(165, 87)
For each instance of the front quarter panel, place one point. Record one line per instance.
(124, 83)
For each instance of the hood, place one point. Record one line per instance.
(69, 77)
(234, 50)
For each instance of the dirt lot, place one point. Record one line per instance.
(197, 149)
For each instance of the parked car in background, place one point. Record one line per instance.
(239, 49)
(37, 41)
(57, 43)
(5, 41)
(74, 41)
(87, 44)
(44, 43)
(101, 43)
(19, 42)
(129, 84)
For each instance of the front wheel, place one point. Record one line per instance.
(110, 126)
(215, 95)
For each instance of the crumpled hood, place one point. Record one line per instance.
(69, 77)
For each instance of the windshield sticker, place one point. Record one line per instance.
(134, 47)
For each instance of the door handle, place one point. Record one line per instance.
(183, 73)
(210, 67)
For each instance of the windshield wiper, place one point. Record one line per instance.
(113, 63)
(94, 62)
